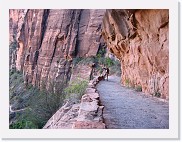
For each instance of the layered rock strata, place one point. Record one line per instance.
(81, 72)
(48, 40)
(140, 39)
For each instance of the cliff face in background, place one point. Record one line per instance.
(49, 39)
(16, 19)
(140, 39)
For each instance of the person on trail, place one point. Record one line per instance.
(105, 72)
(93, 71)
(93, 68)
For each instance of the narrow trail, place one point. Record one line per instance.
(10, 109)
(126, 108)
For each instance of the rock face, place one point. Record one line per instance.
(140, 39)
(64, 117)
(48, 40)
(16, 19)
(81, 72)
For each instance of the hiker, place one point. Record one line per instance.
(105, 72)
(93, 68)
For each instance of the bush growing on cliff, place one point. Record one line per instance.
(109, 62)
(101, 52)
(38, 106)
(44, 104)
(76, 60)
(84, 61)
(127, 82)
(87, 60)
(23, 124)
(157, 94)
(19, 100)
(116, 68)
(13, 45)
(138, 88)
(77, 88)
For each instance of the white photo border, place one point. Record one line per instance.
(171, 133)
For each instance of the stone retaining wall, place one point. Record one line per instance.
(86, 115)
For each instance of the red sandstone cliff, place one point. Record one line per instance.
(140, 39)
(49, 39)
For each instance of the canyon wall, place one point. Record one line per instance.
(140, 39)
(48, 40)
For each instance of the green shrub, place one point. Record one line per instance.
(13, 45)
(23, 124)
(15, 75)
(105, 61)
(87, 61)
(76, 60)
(11, 72)
(127, 82)
(44, 104)
(101, 61)
(84, 61)
(115, 68)
(139, 88)
(40, 105)
(117, 63)
(101, 52)
(157, 94)
(30, 87)
(109, 62)
(99, 56)
(77, 88)
(20, 100)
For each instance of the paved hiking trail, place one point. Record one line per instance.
(126, 108)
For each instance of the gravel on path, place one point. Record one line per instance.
(125, 108)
